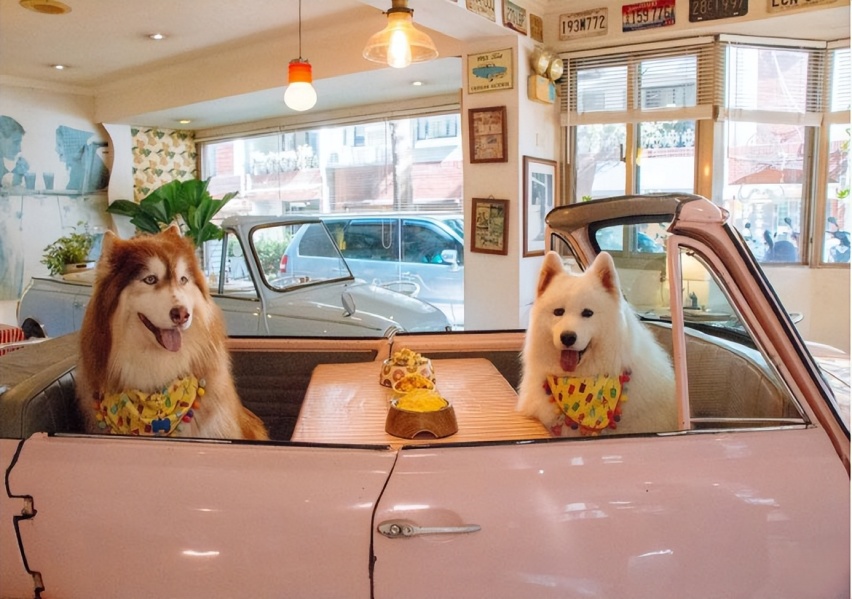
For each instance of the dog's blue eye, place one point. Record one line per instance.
(559, 312)
(150, 280)
(587, 313)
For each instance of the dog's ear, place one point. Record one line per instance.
(108, 242)
(551, 267)
(173, 230)
(604, 268)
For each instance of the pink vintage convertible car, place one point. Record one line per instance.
(748, 497)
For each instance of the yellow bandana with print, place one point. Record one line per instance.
(136, 413)
(590, 404)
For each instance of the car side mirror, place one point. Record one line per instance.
(450, 257)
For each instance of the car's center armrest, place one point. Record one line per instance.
(40, 388)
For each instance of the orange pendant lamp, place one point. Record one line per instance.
(300, 93)
(399, 44)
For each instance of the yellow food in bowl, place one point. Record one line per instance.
(421, 400)
(411, 382)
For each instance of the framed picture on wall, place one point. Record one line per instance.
(539, 198)
(487, 134)
(490, 226)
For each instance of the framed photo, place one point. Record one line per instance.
(539, 197)
(490, 228)
(490, 71)
(487, 134)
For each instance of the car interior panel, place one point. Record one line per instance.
(727, 387)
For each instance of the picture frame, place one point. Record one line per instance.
(540, 185)
(487, 128)
(490, 71)
(489, 226)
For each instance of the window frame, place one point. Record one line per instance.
(709, 116)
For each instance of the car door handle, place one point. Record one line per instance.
(395, 529)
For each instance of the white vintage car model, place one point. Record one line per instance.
(748, 496)
(255, 298)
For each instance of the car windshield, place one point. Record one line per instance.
(276, 252)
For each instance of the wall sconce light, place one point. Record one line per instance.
(300, 94)
(399, 44)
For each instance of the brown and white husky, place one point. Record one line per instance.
(153, 359)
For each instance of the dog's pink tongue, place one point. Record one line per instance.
(170, 339)
(568, 359)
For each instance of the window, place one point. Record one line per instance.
(373, 240)
(401, 165)
(770, 107)
(836, 167)
(409, 164)
(775, 116)
(634, 119)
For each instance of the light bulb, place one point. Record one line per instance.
(400, 43)
(399, 50)
(300, 94)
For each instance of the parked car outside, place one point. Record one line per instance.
(255, 298)
(747, 497)
(418, 254)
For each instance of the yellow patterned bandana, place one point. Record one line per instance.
(588, 404)
(136, 413)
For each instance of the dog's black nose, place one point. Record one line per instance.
(568, 339)
(179, 315)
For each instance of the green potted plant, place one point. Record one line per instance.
(187, 203)
(70, 252)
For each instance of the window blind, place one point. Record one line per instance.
(770, 82)
(708, 78)
(841, 71)
(654, 82)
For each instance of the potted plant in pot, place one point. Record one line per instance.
(69, 253)
(187, 203)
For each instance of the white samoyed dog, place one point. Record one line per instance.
(589, 364)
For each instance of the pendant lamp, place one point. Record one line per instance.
(399, 44)
(300, 94)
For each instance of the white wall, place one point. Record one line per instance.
(31, 220)
(821, 295)
(500, 289)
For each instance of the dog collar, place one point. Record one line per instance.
(588, 404)
(134, 412)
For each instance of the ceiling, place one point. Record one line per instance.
(105, 41)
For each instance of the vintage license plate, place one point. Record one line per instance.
(785, 5)
(710, 10)
(583, 24)
(646, 15)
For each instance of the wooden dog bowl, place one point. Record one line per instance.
(409, 424)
